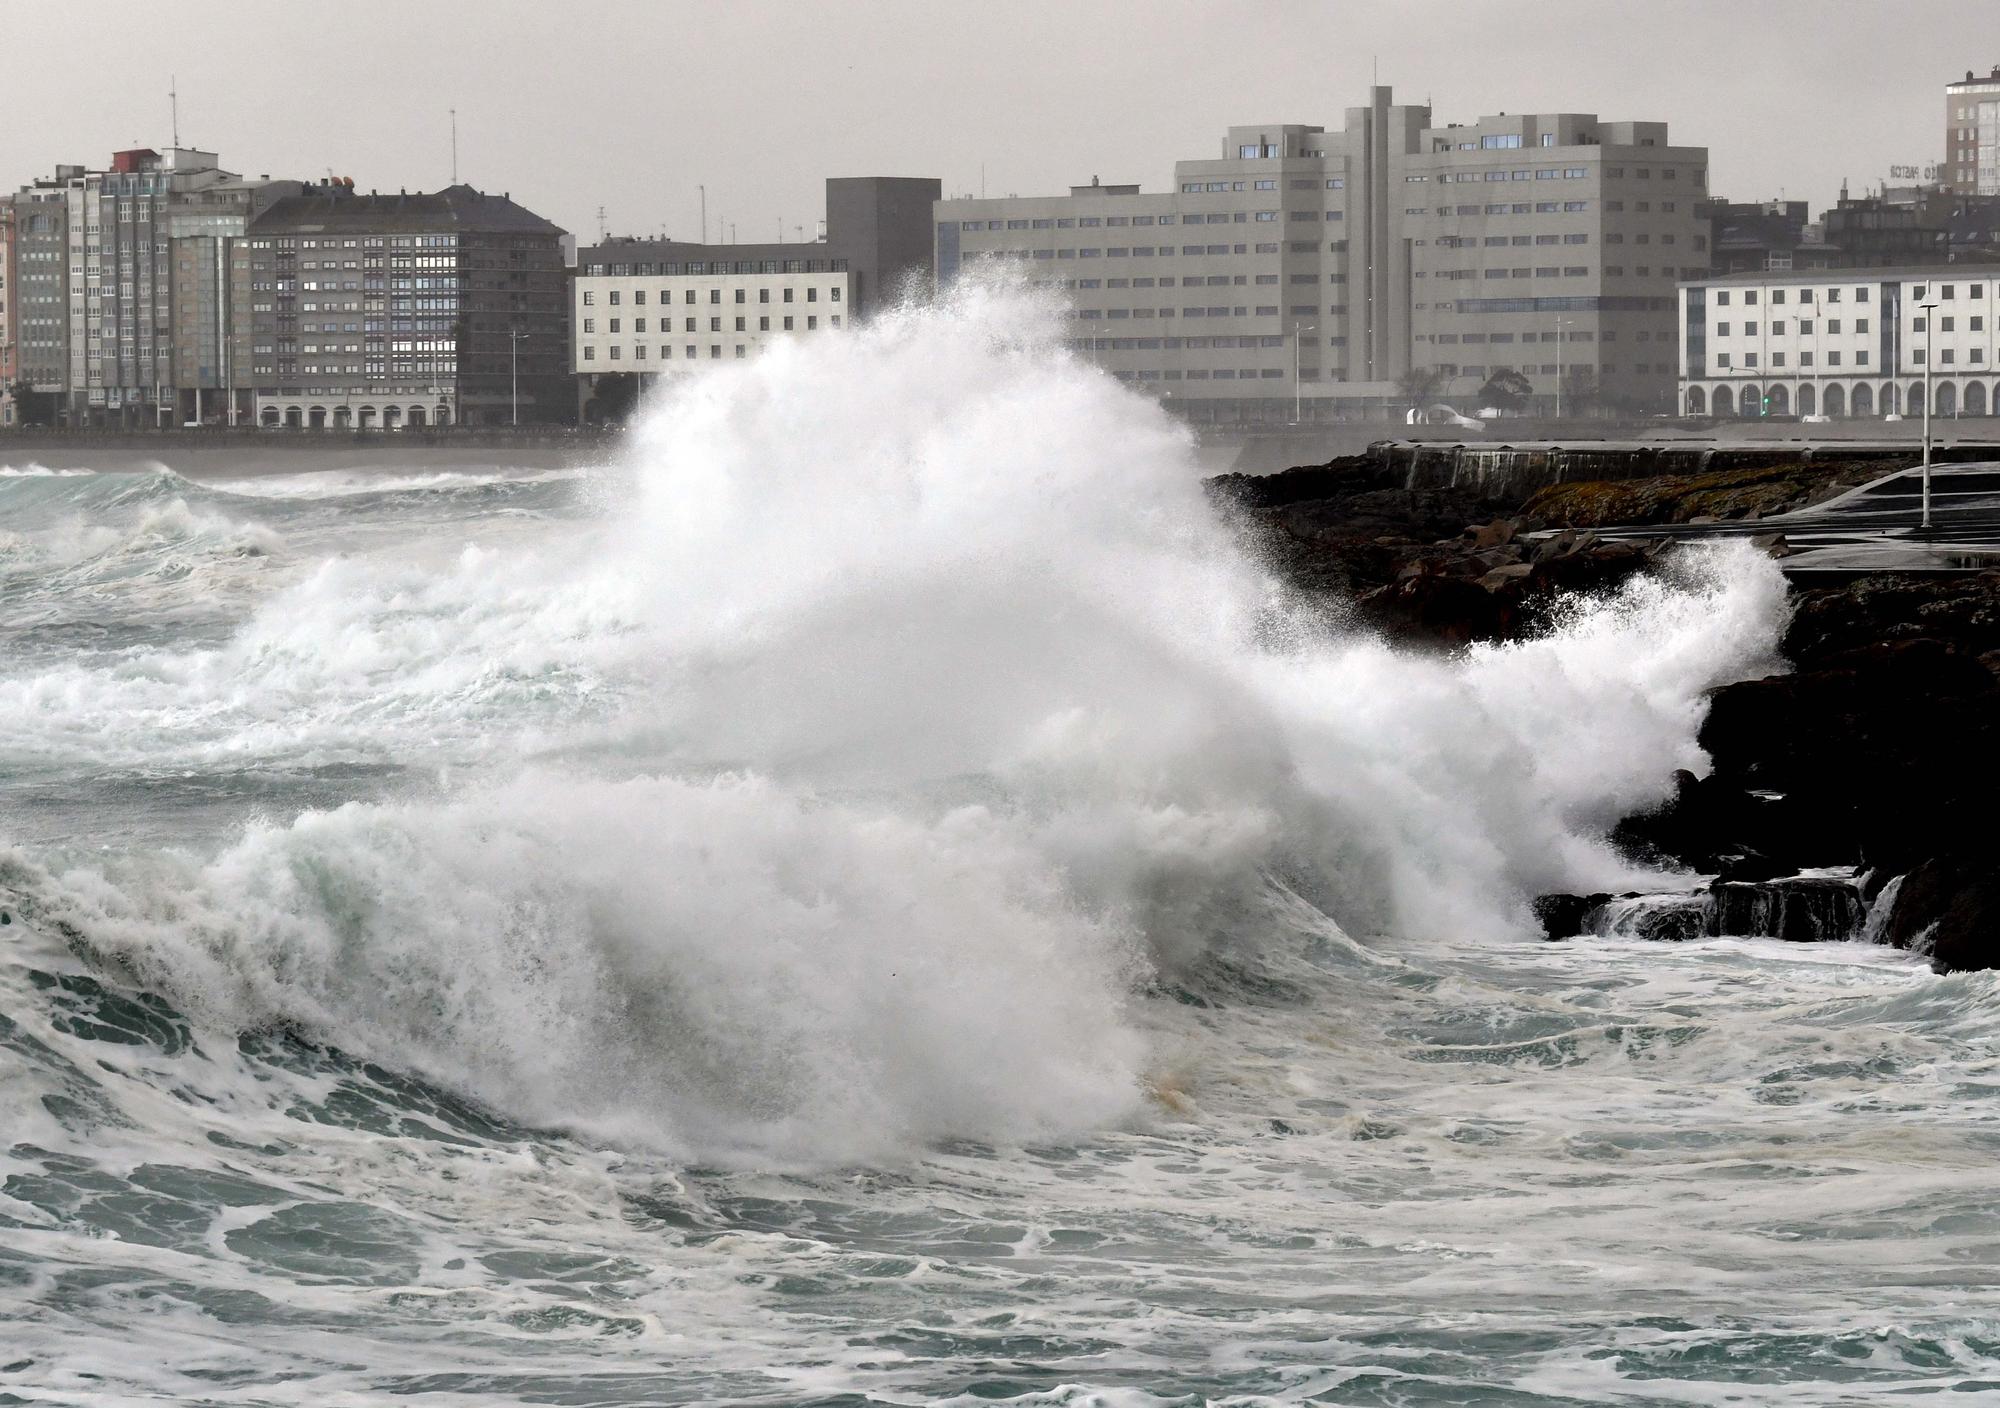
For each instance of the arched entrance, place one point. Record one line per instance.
(1863, 403)
(1913, 399)
(1777, 400)
(392, 417)
(443, 416)
(1749, 401)
(294, 418)
(1975, 398)
(1947, 399)
(367, 417)
(316, 418)
(416, 415)
(1836, 401)
(1725, 403)
(341, 416)
(1808, 401)
(268, 418)
(1697, 402)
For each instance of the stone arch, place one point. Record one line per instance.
(1724, 403)
(1975, 398)
(316, 418)
(1697, 401)
(1834, 403)
(1808, 400)
(269, 417)
(341, 417)
(443, 415)
(417, 416)
(1945, 399)
(1913, 399)
(392, 417)
(368, 417)
(295, 418)
(1777, 399)
(1863, 401)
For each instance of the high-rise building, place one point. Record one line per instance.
(8, 366)
(40, 289)
(1333, 267)
(375, 310)
(98, 261)
(648, 307)
(1972, 134)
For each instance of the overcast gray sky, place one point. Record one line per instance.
(632, 104)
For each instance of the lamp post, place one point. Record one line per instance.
(1298, 385)
(1561, 323)
(1929, 307)
(514, 336)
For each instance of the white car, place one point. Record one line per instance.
(1892, 416)
(1816, 420)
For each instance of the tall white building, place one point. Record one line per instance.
(1972, 134)
(1842, 343)
(1322, 268)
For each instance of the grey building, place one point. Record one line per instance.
(384, 310)
(1337, 269)
(647, 307)
(1972, 134)
(40, 293)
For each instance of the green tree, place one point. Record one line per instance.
(1505, 390)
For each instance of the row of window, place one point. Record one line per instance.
(714, 324)
(1833, 358)
(1805, 326)
(706, 267)
(612, 296)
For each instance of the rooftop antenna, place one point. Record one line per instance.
(704, 213)
(600, 224)
(174, 102)
(454, 146)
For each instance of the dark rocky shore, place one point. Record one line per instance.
(1879, 749)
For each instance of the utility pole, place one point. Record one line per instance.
(1298, 385)
(514, 336)
(454, 146)
(1929, 308)
(174, 103)
(704, 213)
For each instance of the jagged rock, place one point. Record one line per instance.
(1948, 908)
(1563, 916)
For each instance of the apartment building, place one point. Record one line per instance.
(1972, 134)
(378, 310)
(1842, 344)
(1333, 265)
(647, 307)
(9, 367)
(39, 286)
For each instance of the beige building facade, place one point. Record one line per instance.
(1310, 272)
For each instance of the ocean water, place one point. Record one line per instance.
(870, 896)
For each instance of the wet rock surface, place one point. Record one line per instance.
(1879, 749)
(1437, 566)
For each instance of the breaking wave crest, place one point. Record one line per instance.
(903, 725)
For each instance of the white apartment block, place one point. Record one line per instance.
(1850, 343)
(1323, 267)
(687, 311)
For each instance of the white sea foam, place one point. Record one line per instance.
(1017, 726)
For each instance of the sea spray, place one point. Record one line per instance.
(916, 720)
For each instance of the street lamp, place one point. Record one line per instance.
(1561, 323)
(1929, 308)
(1298, 385)
(514, 336)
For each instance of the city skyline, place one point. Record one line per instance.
(1023, 101)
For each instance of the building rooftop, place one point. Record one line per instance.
(340, 207)
(1955, 272)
